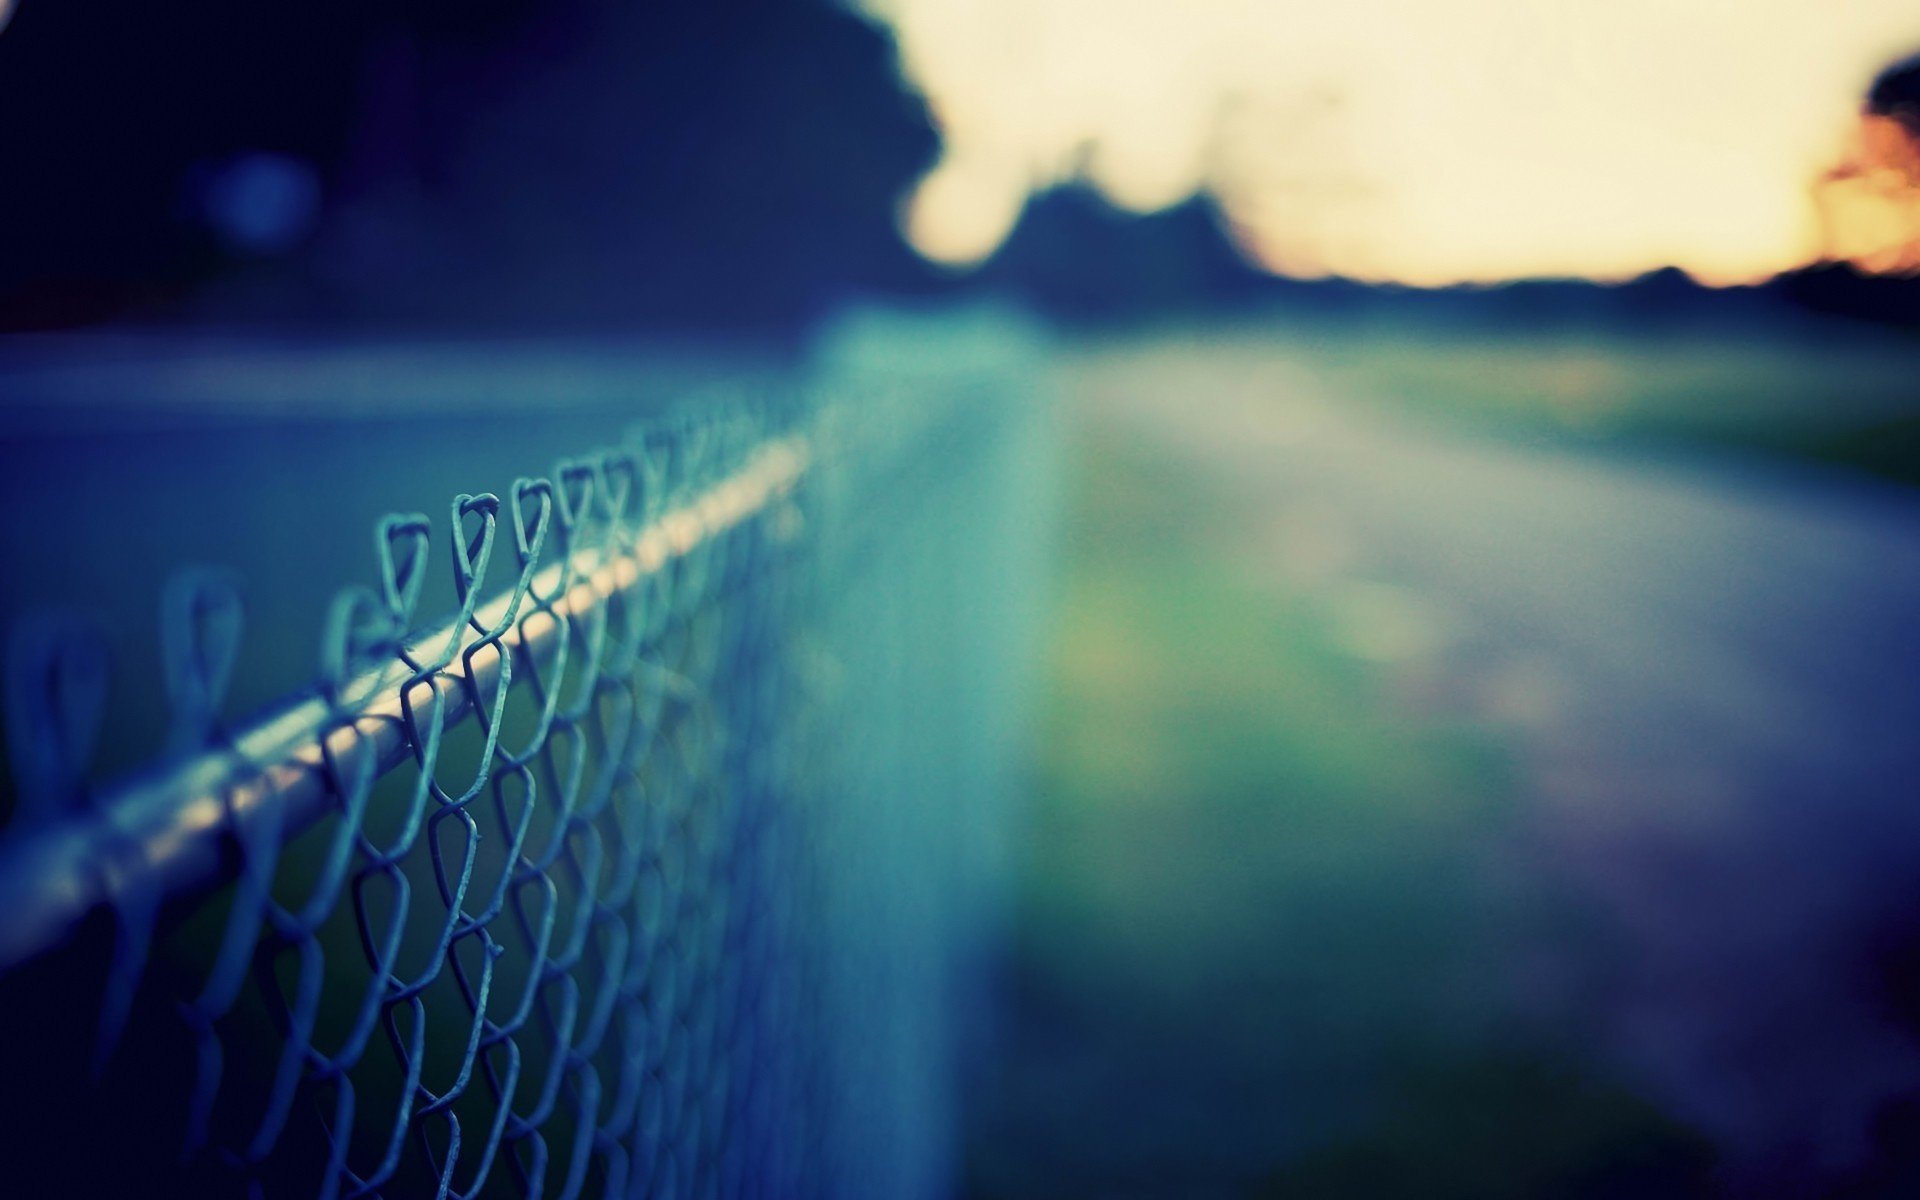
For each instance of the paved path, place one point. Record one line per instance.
(1710, 677)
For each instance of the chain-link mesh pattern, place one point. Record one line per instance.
(668, 866)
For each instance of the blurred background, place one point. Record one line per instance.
(1481, 746)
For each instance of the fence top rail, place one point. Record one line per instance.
(164, 833)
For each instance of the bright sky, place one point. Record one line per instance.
(1428, 141)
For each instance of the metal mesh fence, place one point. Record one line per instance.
(668, 865)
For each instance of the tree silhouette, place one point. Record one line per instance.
(501, 160)
(1869, 205)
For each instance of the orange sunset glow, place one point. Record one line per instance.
(1427, 141)
(1869, 205)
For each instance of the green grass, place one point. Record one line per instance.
(1214, 757)
(1828, 393)
(1258, 921)
(1270, 937)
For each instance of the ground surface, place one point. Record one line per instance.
(1439, 803)
(1463, 776)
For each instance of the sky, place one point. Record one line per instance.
(1417, 141)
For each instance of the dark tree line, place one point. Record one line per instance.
(575, 161)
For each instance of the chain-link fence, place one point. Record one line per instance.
(668, 865)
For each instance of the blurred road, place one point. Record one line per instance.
(1706, 672)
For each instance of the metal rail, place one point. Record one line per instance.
(164, 833)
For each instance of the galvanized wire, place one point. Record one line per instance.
(667, 865)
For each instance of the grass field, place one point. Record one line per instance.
(1828, 392)
(1259, 942)
(1268, 938)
